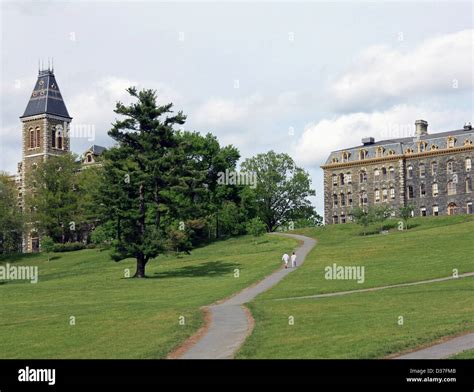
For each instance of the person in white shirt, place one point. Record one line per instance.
(293, 260)
(286, 258)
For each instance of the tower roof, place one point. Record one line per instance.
(46, 97)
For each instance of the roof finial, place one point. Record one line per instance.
(39, 66)
(52, 64)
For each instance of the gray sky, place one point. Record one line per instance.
(304, 78)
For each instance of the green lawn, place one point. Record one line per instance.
(468, 354)
(118, 317)
(365, 325)
(432, 249)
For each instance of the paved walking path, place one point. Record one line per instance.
(230, 324)
(442, 350)
(335, 294)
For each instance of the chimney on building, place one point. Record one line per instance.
(421, 127)
(368, 140)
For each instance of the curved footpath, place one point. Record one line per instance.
(446, 349)
(230, 322)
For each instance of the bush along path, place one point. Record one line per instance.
(228, 323)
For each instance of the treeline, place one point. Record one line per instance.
(161, 189)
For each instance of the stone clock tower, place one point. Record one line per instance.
(45, 131)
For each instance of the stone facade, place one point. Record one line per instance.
(45, 133)
(432, 172)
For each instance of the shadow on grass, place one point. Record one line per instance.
(14, 257)
(211, 269)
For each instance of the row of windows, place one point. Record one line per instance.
(35, 138)
(386, 194)
(450, 168)
(451, 210)
(344, 199)
(381, 151)
(451, 189)
(346, 178)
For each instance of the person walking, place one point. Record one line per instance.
(286, 258)
(293, 260)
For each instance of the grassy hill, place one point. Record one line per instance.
(124, 318)
(365, 325)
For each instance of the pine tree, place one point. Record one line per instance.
(145, 174)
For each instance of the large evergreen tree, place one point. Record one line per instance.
(147, 178)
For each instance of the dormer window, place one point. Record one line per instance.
(409, 151)
(451, 142)
(434, 147)
(422, 146)
(335, 160)
(345, 156)
(391, 152)
(380, 151)
(363, 154)
(468, 142)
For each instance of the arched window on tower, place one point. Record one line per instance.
(53, 137)
(32, 138)
(59, 139)
(37, 137)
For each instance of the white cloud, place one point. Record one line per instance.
(383, 74)
(319, 139)
(93, 108)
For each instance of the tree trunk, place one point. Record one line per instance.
(141, 260)
(141, 263)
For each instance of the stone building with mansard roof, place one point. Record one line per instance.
(432, 172)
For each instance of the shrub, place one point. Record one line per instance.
(68, 247)
(47, 245)
(256, 227)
